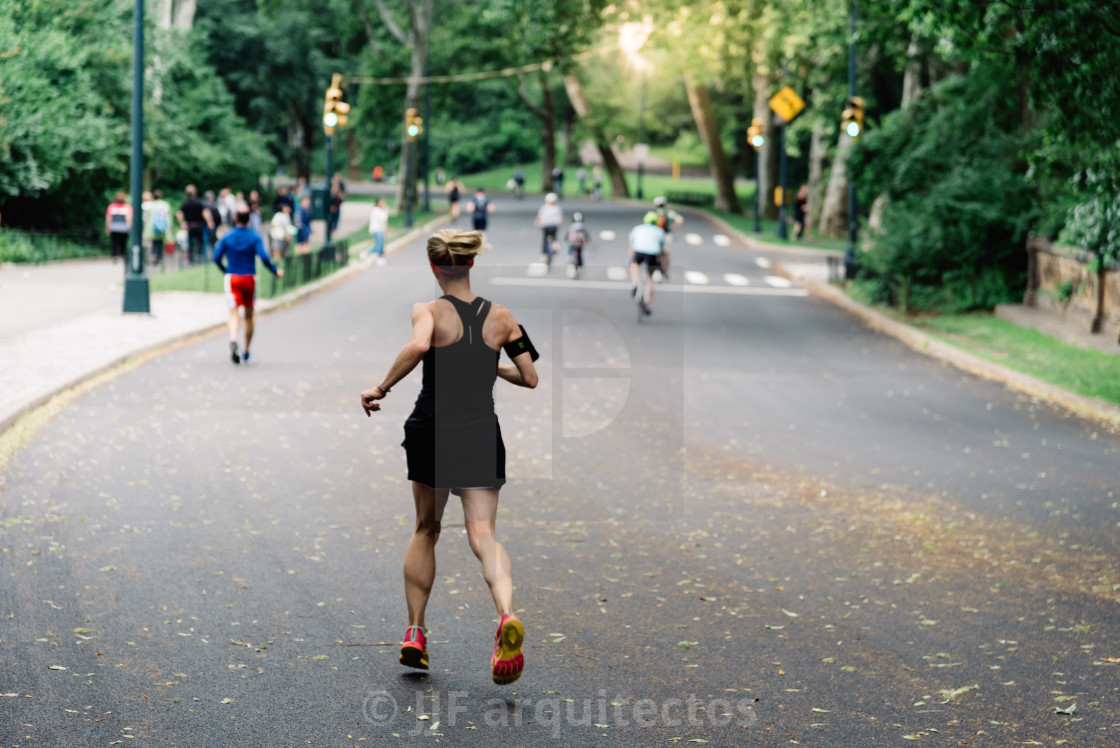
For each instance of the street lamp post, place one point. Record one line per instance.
(853, 219)
(757, 191)
(330, 188)
(641, 135)
(136, 297)
(783, 230)
(427, 143)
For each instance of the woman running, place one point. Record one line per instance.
(452, 439)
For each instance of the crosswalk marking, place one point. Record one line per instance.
(616, 273)
(734, 279)
(693, 239)
(606, 235)
(625, 286)
(721, 240)
(777, 282)
(696, 278)
(762, 262)
(538, 269)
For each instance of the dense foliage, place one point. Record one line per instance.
(65, 78)
(986, 120)
(958, 201)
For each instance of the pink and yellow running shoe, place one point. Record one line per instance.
(507, 661)
(414, 649)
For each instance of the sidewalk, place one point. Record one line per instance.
(61, 324)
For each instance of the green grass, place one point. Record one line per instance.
(34, 249)
(1086, 372)
(688, 156)
(207, 278)
(745, 224)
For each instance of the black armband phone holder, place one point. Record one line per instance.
(521, 345)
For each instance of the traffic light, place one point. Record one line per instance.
(755, 133)
(852, 119)
(335, 110)
(413, 124)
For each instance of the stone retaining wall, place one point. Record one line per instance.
(1057, 270)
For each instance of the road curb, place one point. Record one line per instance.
(10, 421)
(1088, 407)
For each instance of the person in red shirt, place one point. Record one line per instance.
(118, 224)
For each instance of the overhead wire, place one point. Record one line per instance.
(481, 75)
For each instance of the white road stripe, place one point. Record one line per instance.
(778, 282)
(617, 273)
(721, 240)
(696, 278)
(606, 235)
(537, 269)
(734, 279)
(693, 239)
(762, 262)
(619, 286)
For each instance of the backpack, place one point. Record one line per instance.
(576, 237)
(663, 220)
(160, 222)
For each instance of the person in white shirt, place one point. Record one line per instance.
(549, 218)
(378, 225)
(646, 242)
(280, 233)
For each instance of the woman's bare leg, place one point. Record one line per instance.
(420, 558)
(480, 509)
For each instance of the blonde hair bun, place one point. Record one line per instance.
(454, 248)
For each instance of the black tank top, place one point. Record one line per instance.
(463, 373)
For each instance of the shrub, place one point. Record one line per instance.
(959, 200)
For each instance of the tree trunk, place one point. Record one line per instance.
(701, 106)
(912, 75)
(818, 152)
(548, 133)
(353, 157)
(619, 188)
(420, 20)
(768, 171)
(834, 215)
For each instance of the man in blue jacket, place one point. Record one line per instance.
(242, 246)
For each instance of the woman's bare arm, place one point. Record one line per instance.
(423, 324)
(521, 372)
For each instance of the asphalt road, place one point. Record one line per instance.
(747, 520)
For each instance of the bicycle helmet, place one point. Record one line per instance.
(660, 202)
(550, 197)
(577, 217)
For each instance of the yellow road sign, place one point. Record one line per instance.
(787, 104)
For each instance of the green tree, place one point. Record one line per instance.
(959, 201)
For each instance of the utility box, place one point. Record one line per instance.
(320, 200)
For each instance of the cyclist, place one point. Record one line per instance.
(549, 218)
(668, 221)
(453, 443)
(578, 238)
(519, 182)
(646, 243)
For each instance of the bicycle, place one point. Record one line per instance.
(642, 292)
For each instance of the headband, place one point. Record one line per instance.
(455, 270)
